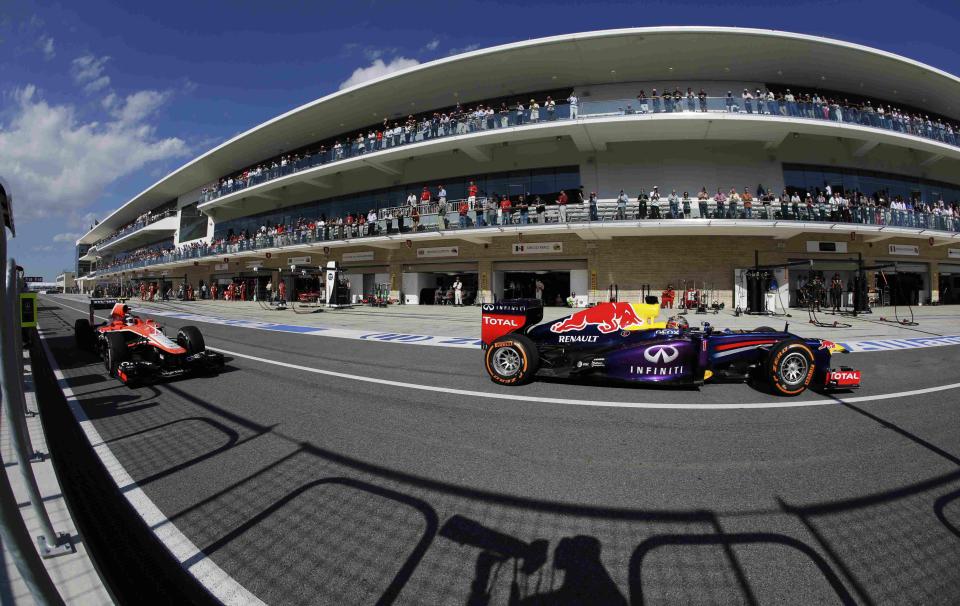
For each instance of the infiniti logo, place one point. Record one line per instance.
(661, 354)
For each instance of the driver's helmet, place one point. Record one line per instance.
(129, 320)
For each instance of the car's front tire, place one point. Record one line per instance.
(83, 333)
(790, 367)
(115, 352)
(189, 338)
(512, 360)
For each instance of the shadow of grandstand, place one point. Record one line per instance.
(939, 510)
(413, 558)
(233, 440)
(320, 523)
(727, 542)
(828, 555)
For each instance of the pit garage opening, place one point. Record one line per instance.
(432, 283)
(949, 283)
(802, 279)
(553, 280)
(908, 284)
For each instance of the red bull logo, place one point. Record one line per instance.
(607, 317)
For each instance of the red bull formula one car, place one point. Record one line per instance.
(136, 350)
(625, 342)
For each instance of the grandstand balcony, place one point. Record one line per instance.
(605, 69)
(160, 224)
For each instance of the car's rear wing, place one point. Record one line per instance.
(509, 315)
(103, 304)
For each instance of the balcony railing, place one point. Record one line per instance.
(400, 220)
(657, 107)
(135, 226)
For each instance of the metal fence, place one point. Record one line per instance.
(13, 530)
(482, 214)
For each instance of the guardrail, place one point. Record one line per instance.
(136, 226)
(13, 530)
(399, 220)
(650, 107)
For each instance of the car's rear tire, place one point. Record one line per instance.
(765, 329)
(83, 333)
(115, 352)
(512, 360)
(790, 367)
(189, 338)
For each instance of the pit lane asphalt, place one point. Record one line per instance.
(318, 489)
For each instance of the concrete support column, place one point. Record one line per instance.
(485, 280)
(934, 282)
(396, 282)
(593, 274)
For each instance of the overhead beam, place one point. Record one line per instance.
(932, 159)
(589, 234)
(318, 182)
(585, 143)
(476, 239)
(865, 148)
(880, 237)
(383, 167)
(478, 153)
(265, 196)
(387, 244)
(776, 142)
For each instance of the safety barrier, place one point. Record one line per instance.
(13, 530)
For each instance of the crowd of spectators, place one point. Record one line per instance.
(812, 105)
(432, 211)
(146, 218)
(462, 120)
(484, 116)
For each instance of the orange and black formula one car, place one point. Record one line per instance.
(136, 350)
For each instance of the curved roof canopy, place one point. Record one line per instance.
(681, 54)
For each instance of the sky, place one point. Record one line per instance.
(100, 99)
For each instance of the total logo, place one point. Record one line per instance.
(661, 354)
(488, 321)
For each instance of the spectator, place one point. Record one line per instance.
(674, 202)
(573, 102)
(622, 206)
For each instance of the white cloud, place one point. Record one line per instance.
(45, 44)
(432, 45)
(138, 106)
(464, 49)
(67, 237)
(87, 71)
(376, 69)
(59, 164)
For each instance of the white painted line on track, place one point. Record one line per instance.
(574, 402)
(577, 402)
(224, 587)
